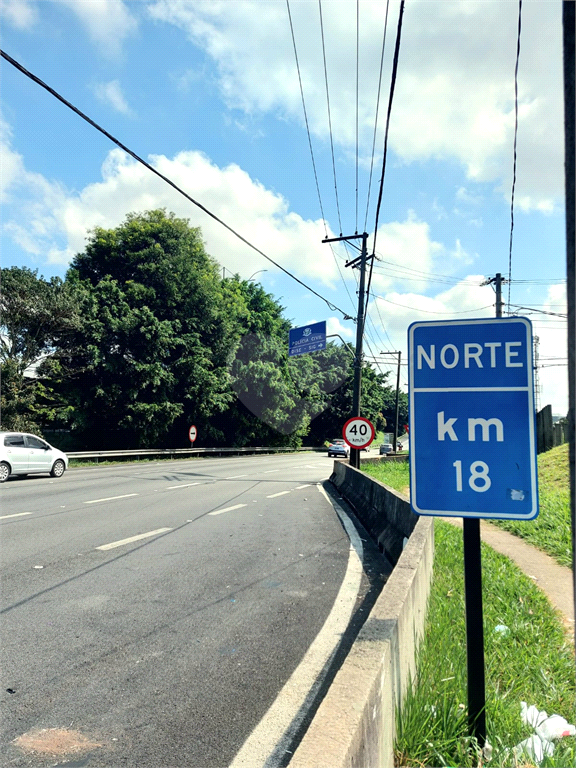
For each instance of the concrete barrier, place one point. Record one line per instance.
(355, 724)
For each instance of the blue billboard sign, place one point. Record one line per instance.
(472, 419)
(309, 338)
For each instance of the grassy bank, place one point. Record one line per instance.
(529, 660)
(550, 531)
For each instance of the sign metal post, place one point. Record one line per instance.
(473, 446)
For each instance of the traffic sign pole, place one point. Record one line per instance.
(474, 630)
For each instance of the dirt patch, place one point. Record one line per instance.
(54, 742)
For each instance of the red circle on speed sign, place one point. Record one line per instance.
(358, 432)
(192, 433)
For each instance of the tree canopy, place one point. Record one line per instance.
(144, 338)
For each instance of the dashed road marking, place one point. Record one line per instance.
(187, 485)
(227, 509)
(299, 487)
(133, 538)
(112, 498)
(268, 471)
(18, 514)
(273, 496)
(234, 477)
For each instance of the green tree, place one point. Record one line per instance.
(36, 316)
(160, 325)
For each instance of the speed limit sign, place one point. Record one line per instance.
(192, 433)
(358, 432)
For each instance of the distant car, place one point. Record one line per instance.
(23, 454)
(338, 450)
(386, 448)
(338, 441)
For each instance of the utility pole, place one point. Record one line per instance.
(395, 440)
(498, 280)
(359, 261)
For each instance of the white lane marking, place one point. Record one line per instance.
(313, 466)
(112, 498)
(273, 496)
(270, 470)
(269, 740)
(234, 477)
(227, 509)
(299, 487)
(187, 485)
(133, 538)
(18, 514)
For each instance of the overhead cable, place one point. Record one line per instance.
(311, 149)
(376, 116)
(306, 116)
(391, 97)
(387, 129)
(515, 145)
(329, 115)
(81, 114)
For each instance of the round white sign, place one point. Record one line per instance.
(358, 432)
(192, 433)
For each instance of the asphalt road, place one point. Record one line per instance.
(153, 614)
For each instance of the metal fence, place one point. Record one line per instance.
(182, 452)
(549, 434)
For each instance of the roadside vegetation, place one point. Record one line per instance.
(144, 337)
(550, 531)
(527, 659)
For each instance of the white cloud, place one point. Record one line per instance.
(406, 251)
(111, 93)
(334, 326)
(455, 88)
(57, 221)
(22, 14)
(108, 22)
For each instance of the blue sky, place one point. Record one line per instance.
(208, 93)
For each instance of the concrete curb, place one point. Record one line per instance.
(355, 724)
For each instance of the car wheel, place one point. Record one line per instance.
(4, 471)
(57, 468)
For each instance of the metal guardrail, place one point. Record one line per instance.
(183, 452)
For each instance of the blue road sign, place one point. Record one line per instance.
(472, 419)
(309, 338)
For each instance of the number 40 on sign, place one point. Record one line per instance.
(358, 432)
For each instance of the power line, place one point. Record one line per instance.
(515, 144)
(391, 97)
(357, 75)
(539, 311)
(429, 311)
(376, 116)
(306, 117)
(143, 162)
(311, 149)
(329, 115)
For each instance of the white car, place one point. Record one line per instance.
(24, 454)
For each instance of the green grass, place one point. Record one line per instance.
(393, 473)
(550, 531)
(531, 663)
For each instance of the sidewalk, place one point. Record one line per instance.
(553, 579)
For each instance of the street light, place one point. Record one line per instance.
(397, 393)
(256, 273)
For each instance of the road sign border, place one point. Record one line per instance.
(531, 409)
(367, 421)
(192, 426)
